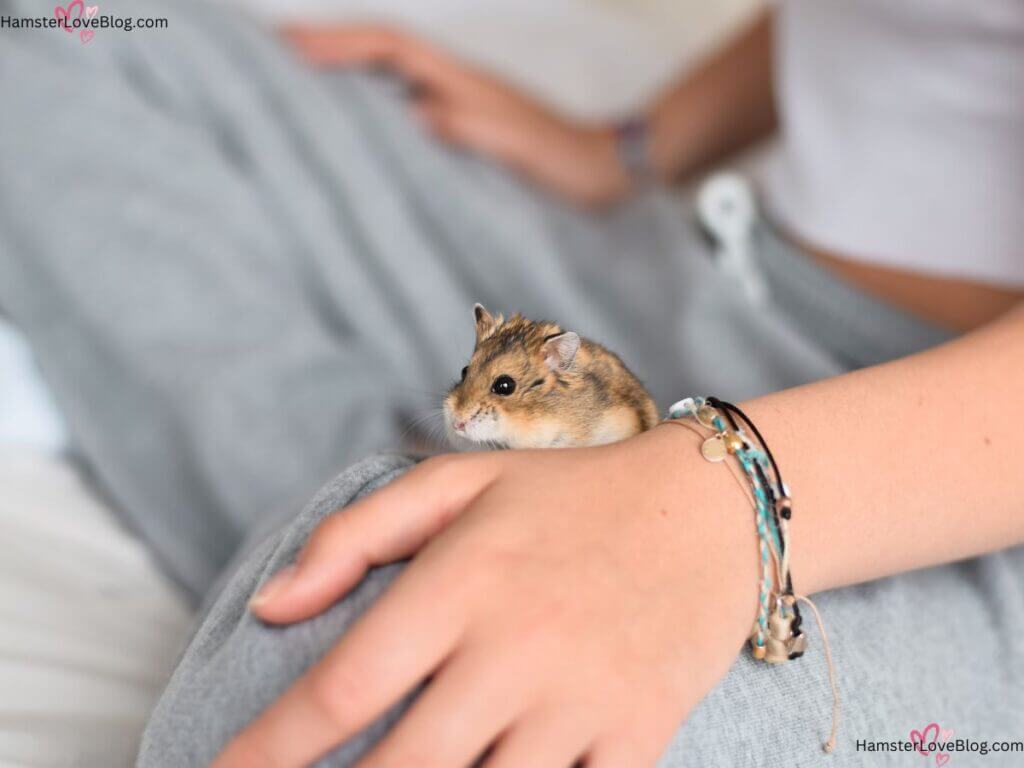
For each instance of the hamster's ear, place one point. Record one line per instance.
(560, 350)
(485, 322)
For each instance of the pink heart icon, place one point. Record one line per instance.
(941, 759)
(920, 738)
(86, 36)
(946, 733)
(90, 11)
(64, 14)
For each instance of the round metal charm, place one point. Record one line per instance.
(713, 449)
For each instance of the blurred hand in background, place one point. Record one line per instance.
(473, 109)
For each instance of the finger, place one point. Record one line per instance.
(464, 129)
(640, 744)
(370, 44)
(458, 716)
(544, 739)
(392, 523)
(394, 647)
(619, 752)
(437, 117)
(639, 741)
(344, 44)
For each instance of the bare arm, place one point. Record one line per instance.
(905, 465)
(724, 105)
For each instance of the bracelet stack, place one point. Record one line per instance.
(777, 635)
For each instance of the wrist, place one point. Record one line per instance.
(576, 160)
(816, 563)
(610, 180)
(675, 151)
(713, 531)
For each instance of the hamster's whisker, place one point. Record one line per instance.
(428, 416)
(434, 394)
(427, 424)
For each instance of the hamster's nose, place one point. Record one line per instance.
(459, 426)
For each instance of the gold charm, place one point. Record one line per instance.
(779, 635)
(713, 449)
(733, 442)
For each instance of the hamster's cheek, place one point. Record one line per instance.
(487, 428)
(533, 432)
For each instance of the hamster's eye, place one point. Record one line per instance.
(464, 372)
(504, 385)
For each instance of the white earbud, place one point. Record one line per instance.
(726, 205)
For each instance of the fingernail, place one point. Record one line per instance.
(277, 582)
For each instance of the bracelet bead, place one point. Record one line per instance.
(733, 442)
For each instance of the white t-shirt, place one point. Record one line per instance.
(903, 133)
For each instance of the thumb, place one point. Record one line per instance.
(390, 524)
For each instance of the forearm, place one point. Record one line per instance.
(727, 103)
(904, 465)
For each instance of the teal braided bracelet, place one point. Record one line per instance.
(776, 635)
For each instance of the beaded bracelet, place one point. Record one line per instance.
(776, 636)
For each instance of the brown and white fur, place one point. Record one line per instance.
(567, 391)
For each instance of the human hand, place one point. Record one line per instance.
(566, 605)
(473, 109)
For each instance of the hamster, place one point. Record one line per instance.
(534, 385)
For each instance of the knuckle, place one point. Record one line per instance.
(440, 462)
(338, 694)
(381, 33)
(444, 471)
(623, 748)
(405, 755)
(326, 532)
(397, 43)
(249, 752)
(641, 740)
